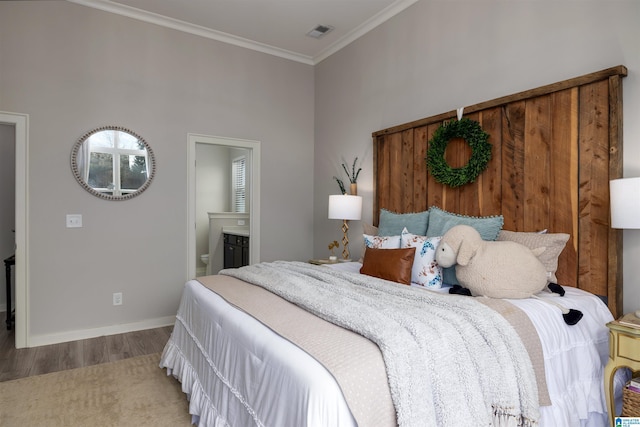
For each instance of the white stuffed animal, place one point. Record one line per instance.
(501, 269)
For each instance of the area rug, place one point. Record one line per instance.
(130, 392)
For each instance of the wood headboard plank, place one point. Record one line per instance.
(512, 161)
(594, 186)
(615, 284)
(408, 170)
(537, 163)
(419, 169)
(564, 169)
(396, 185)
(555, 148)
(489, 197)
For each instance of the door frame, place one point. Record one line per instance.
(20, 122)
(254, 195)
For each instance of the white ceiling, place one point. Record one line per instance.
(277, 27)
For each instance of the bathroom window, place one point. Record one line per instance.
(238, 179)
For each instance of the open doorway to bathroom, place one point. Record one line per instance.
(219, 198)
(223, 192)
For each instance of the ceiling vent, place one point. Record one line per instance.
(319, 31)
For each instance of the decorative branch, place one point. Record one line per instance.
(340, 184)
(353, 176)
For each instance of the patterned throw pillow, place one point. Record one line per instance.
(425, 271)
(381, 242)
(371, 231)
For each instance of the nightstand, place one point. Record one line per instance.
(322, 261)
(624, 351)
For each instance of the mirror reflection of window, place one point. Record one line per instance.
(133, 172)
(100, 171)
(118, 162)
(239, 179)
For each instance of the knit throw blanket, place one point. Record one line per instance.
(450, 360)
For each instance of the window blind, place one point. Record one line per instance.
(238, 171)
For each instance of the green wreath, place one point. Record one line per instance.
(473, 135)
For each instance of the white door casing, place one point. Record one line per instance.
(254, 195)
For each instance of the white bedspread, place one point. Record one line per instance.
(237, 372)
(574, 356)
(447, 357)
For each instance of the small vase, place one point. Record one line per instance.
(354, 189)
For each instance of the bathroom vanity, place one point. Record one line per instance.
(236, 249)
(221, 248)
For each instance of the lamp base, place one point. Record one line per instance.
(345, 240)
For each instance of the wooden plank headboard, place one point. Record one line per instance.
(555, 148)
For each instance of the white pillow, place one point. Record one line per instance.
(426, 271)
(381, 242)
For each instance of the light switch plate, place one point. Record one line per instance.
(74, 220)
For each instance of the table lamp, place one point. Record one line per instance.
(625, 205)
(345, 207)
(625, 202)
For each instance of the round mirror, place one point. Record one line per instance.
(113, 163)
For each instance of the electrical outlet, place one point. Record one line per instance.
(74, 220)
(117, 298)
(241, 222)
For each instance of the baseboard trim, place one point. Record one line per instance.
(47, 339)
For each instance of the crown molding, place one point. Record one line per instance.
(176, 24)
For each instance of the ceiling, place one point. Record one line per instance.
(276, 27)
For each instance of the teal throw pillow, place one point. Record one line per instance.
(392, 224)
(440, 221)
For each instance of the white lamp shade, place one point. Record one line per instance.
(345, 207)
(625, 202)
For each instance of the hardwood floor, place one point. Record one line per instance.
(75, 354)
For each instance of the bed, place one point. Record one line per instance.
(257, 346)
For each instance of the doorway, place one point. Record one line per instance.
(20, 124)
(202, 145)
(7, 216)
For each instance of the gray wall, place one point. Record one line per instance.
(439, 55)
(74, 68)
